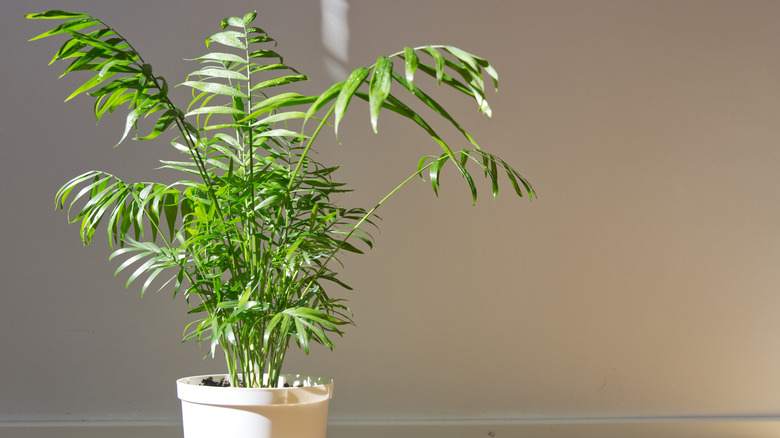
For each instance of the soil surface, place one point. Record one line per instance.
(211, 382)
(223, 382)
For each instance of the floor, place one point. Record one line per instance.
(666, 429)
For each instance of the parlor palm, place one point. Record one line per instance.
(252, 232)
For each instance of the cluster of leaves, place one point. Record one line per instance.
(250, 240)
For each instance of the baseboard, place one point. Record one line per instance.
(731, 427)
(567, 428)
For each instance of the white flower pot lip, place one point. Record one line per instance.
(320, 389)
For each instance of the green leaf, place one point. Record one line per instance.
(302, 335)
(249, 18)
(214, 88)
(475, 62)
(215, 110)
(232, 141)
(113, 228)
(95, 42)
(89, 188)
(493, 174)
(447, 79)
(312, 315)
(140, 270)
(434, 172)
(411, 63)
(436, 107)
(155, 202)
(281, 133)
(355, 80)
(163, 123)
(284, 80)
(469, 180)
(122, 251)
(265, 54)
(62, 194)
(68, 49)
(228, 38)
(476, 85)
(259, 39)
(149, 280)
(55, 15)
(279, 101)
(275, 320)
(439, 62)
(324, 98)
(125, 83)
(171, 209)
(216, 72)
(280, 117)
(97, 79)
(131, 260)
(514, 177)
(111, 64)
(75, 24)
(379, 88)
(270, 67)
(130, 122)
(232, 21)
(470, 90)
(117, 98)
(217, 56)
(83, 61)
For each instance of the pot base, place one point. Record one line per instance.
(293, 412)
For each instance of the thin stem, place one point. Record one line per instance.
(250, 220)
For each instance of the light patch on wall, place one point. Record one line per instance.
(335, 36)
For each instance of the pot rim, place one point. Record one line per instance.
(320, 389)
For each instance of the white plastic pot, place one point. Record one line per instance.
(225, 412)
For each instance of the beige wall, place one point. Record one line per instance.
(642, 283)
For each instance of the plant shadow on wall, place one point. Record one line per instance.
(251, 235)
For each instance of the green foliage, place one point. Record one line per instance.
(251, 239)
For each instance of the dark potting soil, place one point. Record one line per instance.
(211, 382)
(223, 382)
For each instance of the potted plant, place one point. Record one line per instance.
(251, 235)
